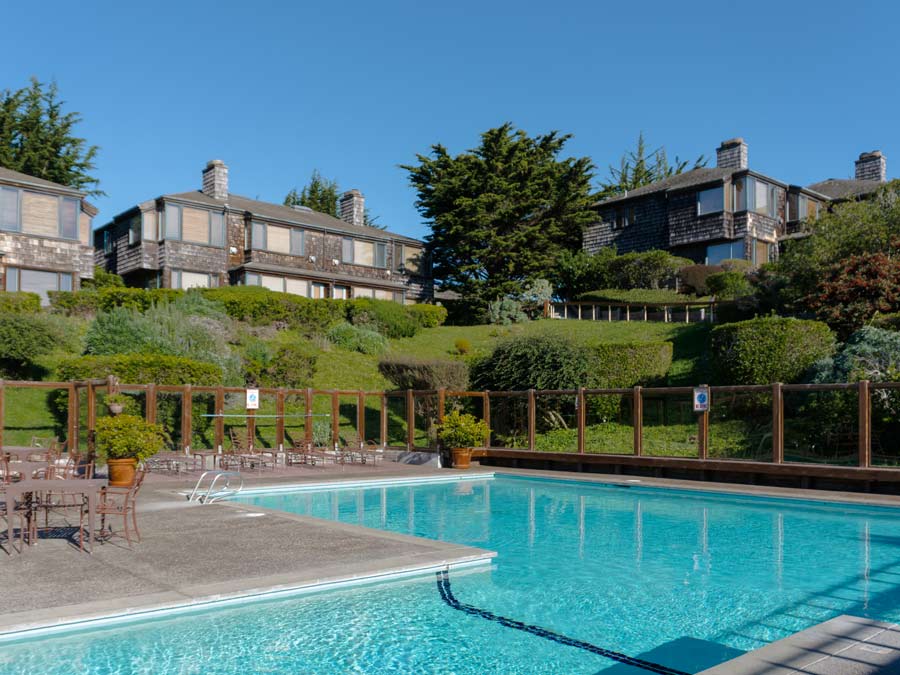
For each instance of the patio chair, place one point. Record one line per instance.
(251, 457)
(119, 501)
(300, 454)
(374, 452)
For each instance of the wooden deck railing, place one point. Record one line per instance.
(759, 427)
(673, 312)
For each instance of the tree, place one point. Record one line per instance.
(502, 213)
(37, 137)
(641, 167)
(320, 194)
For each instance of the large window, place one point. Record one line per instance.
(728, 250)
(68, 217)
(172, 222)
(623, 217)
(184, 279)
(757, 196)
(134, 230)
(9, 209)
(347, 251)
(37, 281)
(380, 255)
(216, 229)
(808, 208)
(711, 201)
(341, 293)
(298, 242)
(258, 235)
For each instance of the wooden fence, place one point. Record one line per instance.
(684, 312)
(773, 425)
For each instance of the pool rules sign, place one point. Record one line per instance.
(253, 399)
(701, 399)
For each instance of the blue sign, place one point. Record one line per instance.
(701, 399)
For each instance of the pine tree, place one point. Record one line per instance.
(37, 137)
(640, 167)
(320, 194)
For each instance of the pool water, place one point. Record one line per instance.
(587, 577)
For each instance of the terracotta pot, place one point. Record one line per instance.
(121, 471)
(462, 457)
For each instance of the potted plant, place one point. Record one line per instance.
(123, 441)
(461, 432)
(116, 403)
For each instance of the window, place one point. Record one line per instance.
(251, 279)
(258, 235)
(729, 250)
(9, 210)
(184, 280)
(398, 257)
(808, 208)
(278, 239)
(319, 291)
(107, 242)
(172, 222)
(297, 286)
(381, 255)
(37, 281)
(271, 282)
(148, 225)
(621, 220)
(762, 198)
(298, 243)
(739, 190)
(347, 251)
(216, 229)
(134, 230)
(711, 201)
(68, 217)
(341, 293)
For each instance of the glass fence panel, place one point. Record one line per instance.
(822, 426)
(740, 425)
(671, 427)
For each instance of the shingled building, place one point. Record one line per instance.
(212, 237)
(729, 211)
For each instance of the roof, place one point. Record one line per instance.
(253, 266)
(8, 175)
(288, 214)
(687, 179)
(845, 188)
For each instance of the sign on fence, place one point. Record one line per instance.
(701, 399)
(253, 399)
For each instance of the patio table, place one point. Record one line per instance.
(21, 452)
(203, 454)
(89, 488)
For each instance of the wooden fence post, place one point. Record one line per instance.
(335, 418)
(73, 425)
(581, 419)
(279, 420)
(308, 427)
(532, 411)
(3, 412)
(865, 424)
(637, 409)
(91, 415)
(384, 421)
(442, 404)
(219, 411)
(361, 417)
(150, 404)
(703, 430)
(410, 420)
(486, 410)
(777, 423)
(187, 404)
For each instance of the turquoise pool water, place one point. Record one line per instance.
(680, 579)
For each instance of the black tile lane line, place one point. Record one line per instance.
(443, 584)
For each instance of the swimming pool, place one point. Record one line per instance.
(587, 577)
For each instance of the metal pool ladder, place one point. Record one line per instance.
(214, 489)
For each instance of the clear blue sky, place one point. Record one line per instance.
(277, 89)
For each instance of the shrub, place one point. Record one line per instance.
(736, 265)
(128, 436)
(533, 362)
(728, 285)
(615, 365)
(505, 311)
(103, 279)
(638, 296)
(428, 316)
(536, 293)
(260, 306)
(389, 318)
(409, 373)
(768, 349)
(141, 369)
(461, 430)
(693, 277)
(357, 339)
(292, 366)
(19, 302)
(649, 269)
(75, 303)
(855, 290)
(462, 346)
(887, 321)
(26, 337)
(140, 299)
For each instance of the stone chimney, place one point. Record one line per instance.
(871, 166)
(732, 154)
(353, 207)
(215, 179)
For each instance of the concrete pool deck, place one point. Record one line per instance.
(192, 553)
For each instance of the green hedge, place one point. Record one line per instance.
(768, 349)
(141, 369)
(89, 302)
(75, 303)
(260, 306)
(389, 318)
(626, 364)
(639, 295)
(19, 302)
(410, 373)
(356, 339)
(428, 316)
